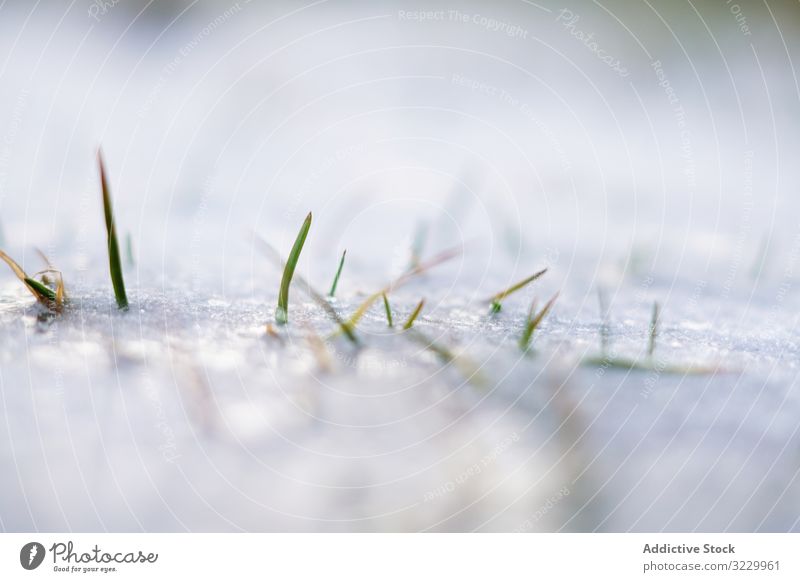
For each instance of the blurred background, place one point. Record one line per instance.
(588, 130)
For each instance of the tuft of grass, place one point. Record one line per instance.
(41, 290)
(332, 292)
(350, 325)
(650, 364)
(282, 311)
(496, 300)
(315, 295)
(414, 314)
(651, 345)
(388, 310)
(115, 264)
(53, 300)
(534, 319)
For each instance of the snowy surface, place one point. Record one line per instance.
(524, 149)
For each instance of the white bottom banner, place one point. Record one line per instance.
(401, 557)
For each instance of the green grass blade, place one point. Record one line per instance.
(43, 294)
(527, 331)
(533, 323)
(442, 257)
(14, 266)
(338, 274)
(388, 310)
(129, 250)
(651, 346)
(496, 299)
(41, 289)
(282, 311)
(413, 317)
(315, 295)
(115, 264)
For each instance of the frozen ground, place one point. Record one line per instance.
(674, 183)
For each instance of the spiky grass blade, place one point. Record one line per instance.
(315, 295)
(115, 264)
(332, 292)
(44, 257)
(351, 323)
(414, 314)
(49, 268)
(41, 292)
(57, 298)
(14, 266)
(388, 309)
(533, 323)
(496, 300)
(442, 257)
(651, 345)
(282, 311)
(61, 294)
